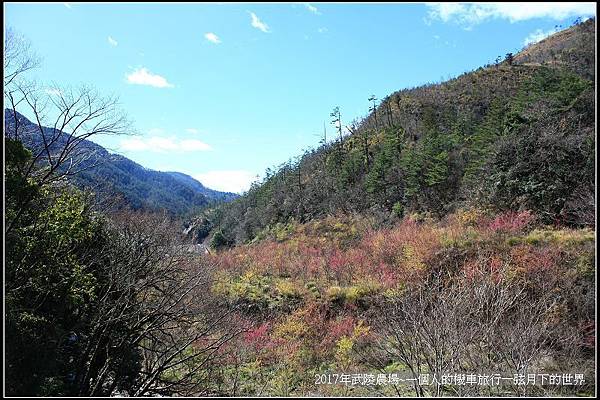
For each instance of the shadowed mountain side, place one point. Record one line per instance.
(117, 177)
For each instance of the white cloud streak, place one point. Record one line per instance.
(193, 145)
(158, 144)
(193, 131)
(258, 24)
(236, 181)
(112, 41)
(141, 76)
(475, 13)
(538, 35)
(312, 9)
(211, 37)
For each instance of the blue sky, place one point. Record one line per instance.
(223, 91)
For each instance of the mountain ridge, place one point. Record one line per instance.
(514, 135)
(139, 187)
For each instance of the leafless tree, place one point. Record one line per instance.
(469, 324)
(63, 119)
(18, 56)
(157, 304)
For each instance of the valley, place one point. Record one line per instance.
(444, 239)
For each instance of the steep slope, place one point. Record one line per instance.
(115, 176)
(512, 136)
(451, 197)
(572, 49)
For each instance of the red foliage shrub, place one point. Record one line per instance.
(257, 335)
(466, 249)
(491, 265)
(340, 327)
(334, 330)
(511, 221)
(530, 259)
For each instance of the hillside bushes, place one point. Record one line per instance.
(475, 292)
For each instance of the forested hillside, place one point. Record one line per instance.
(451, 229)
(115, 178)
(515, 135)
(442, 245)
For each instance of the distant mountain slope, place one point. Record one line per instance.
(116, 176)
(515, 135)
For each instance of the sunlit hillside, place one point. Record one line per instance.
(435, 239)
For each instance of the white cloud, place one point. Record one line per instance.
(312, 8)
(258, 24)
(211, 37)
(141, 76)
(53, 92)
(193, 131)
(193, 145)
(538, 35)
(322, 30)
(112, 41)
(475, 13)
(67, 5)
(162, 144)
(236, 181)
